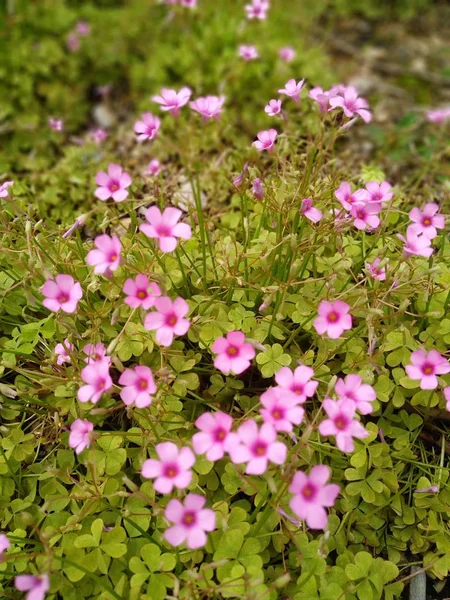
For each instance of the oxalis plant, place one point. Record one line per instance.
(244, 400)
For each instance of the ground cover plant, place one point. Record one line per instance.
(224, 336)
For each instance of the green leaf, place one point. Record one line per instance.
(229, 545)
(150, 554)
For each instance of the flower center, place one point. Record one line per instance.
(114, 186)
(341, 422)
(171, 471)
(63, 298)
(308, 492)
(141, 294)
(297, 389)
(333, 317)
(260, 449)
(427, 222)
(171, 320)
(142, 384)
(189, 519)
(163, 231)
(427, 370)
(113, 258)
(232, 351)
(220, 435)
(101, 384)
(278, 413)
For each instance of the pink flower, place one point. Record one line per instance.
(173, 469)
(416, 242)
(362, 394)
(4, 188)
(352, 104)
(79, 222)
(311, 495)
(321, 97)
(248, 52)
(447, 396)
(340, 423)
(266, 140)
(237, 181)
(106, 258)
(56, 124)
(298, 382)
(113, 184)
(61, 352)
(83, 28)
(99, 135)
(98, 380)
(141, 292)
(4, 544)
(273, 108)
(281, 409)
(189, 3)
(292, 89)
(257, 9)
(172, 101)
(95, 353)
(333, 318)
(164, 227)
(213, 435)
(209, 107)
(168, 319)
(425, 366)
(348, 198)
(233, 353)
(139, 386)
(80, 435)
(73, 43)
(375, 270)
(365, 215)
(147, 128)
(439, 115)
(190, 520)
(154, 167)
(258, 189)
(379, 192)
(287, 54)
(256, 447)
(427, 221)
(62, 293)
(36, 585)
(310, 212)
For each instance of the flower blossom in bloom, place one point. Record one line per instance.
(340, 423)
(172, 101)
(233, 353)
(154, 167)
(56, 124)
(297, 382)
(256, 447)
(97, 379)
(80, 435)
(281, 409)
(266, 140)
(189, 3)
(173, 469)
(439, 115)
(139, 386)
(213, 435)
(248, 52)
(112, 184)
(321, 97)
(312, 494)
(95, 352)
(209, 107)
(416, 242)
(310, 212)
(258, 189)
(348, 198)
(257, 9)
(73, 42)
(375, 270)
(352, 104)
(4, 544)
(62, 293)
(362, 394)
(427, 221)
(190, 520)
(164, 227)
(287, 54)
(147, 128)
(99, 135)
(168, 319)
(292, 89)
(36, 585)
(61, 352)
(447, 396)
(83, 28)
(425, 366)
(4, 188)
(141, 292)
(334, 318)
(379, 192)
(365, 215)
(273, 108)
(106, 257)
